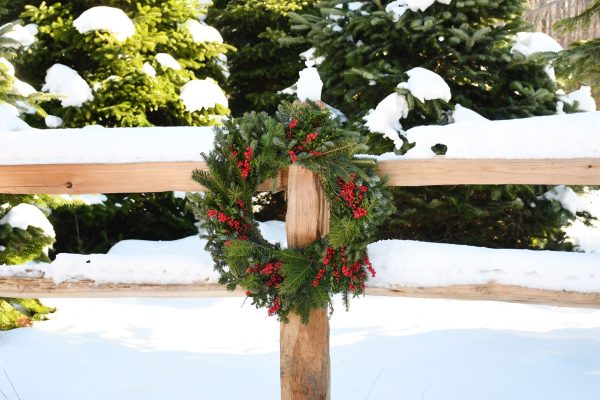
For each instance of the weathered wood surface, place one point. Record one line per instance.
(103, 178)
(167, 176)
(304, 348)
(43, 287)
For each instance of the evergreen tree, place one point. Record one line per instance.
(367, 48)
(262, 65)
(19, 244)
(580, 64)
(132, 79)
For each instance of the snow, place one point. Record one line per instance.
(2, 248)
(10, 68)
(385, 117)
(536, 137)
(566, 197)
(420, 264)
(529, 43)
(384, 349)
(582, 97)
(109, 19)
(95, 144)
(87, 199)
(21, 88)
(24, 36)
(310, 59)
(24, 215)
(202, 32)
(149, 70)
(202, 93)
(167, 61)
(399, 7)
(397, 262)
(463, 114)
(309, 85)
(10, 122)
(66, 81)
(426, 85)
(52, 121)
(587, 237)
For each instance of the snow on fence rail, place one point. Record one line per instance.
(98, 160)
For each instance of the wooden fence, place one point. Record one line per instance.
(304, 356)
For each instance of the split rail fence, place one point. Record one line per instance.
(304, 356)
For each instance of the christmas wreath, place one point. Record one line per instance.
(252, 149)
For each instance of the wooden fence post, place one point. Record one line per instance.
(304, 349)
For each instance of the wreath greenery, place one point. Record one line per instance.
(251, 149)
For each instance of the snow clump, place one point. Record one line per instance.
(399, 7)
(63, 80)
(109, 19)
(167, 61)
(202, 93)
(148, 70)
(528, 43)
(25, 215)
(426, 85)
(309, 85)
(10, 70)
(24, 36)
(582, 97)
(385, 118)
(566, 197)
(52, 121)
(202, 32)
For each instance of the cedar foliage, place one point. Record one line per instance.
(367, 53)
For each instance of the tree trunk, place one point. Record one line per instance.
(304, 349)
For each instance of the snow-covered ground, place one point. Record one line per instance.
(384, 348)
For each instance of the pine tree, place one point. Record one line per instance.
(367, 48)
(135, 80)
(262, 65)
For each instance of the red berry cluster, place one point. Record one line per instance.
(353, 195)
(274, 308)
(244, 165)
(354, 272)
(238, 226)
(271, 271)
(304, 144)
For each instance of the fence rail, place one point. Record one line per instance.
(167, 176)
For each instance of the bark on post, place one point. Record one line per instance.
(304, 349)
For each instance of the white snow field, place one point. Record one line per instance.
(384, 348)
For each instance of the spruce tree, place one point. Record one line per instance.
(367, 48)
(20, 244)
(580, 64)
(137, 79)
(262, 65)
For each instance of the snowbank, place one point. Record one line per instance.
(397, 262)
(556, 136)
(103, 18)
(95, 144)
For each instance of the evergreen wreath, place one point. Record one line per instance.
(252, 149)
